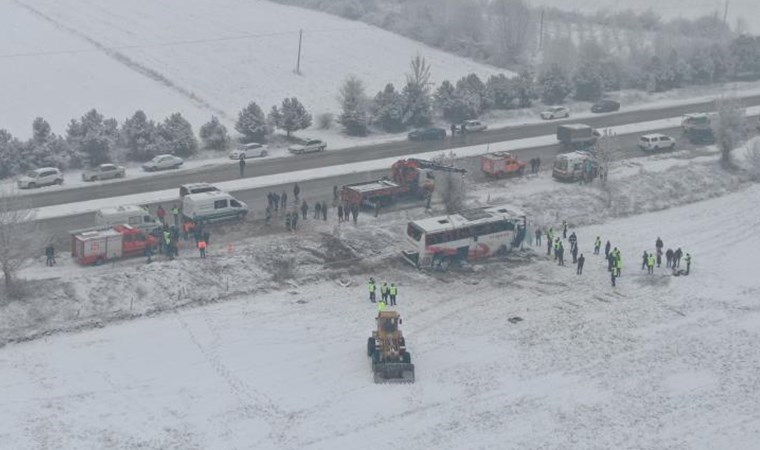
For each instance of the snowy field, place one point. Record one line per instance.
(194, 56)
(276, 357)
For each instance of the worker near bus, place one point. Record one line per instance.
(160, 213)
(372, 289)
(296, 192)
(384, 292)
(317, 210)
(175, 212)
(304, 209)
(202, 248)
(324, 210)
(393, 290)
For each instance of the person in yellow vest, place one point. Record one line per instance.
(175, 212)
(650, 264)
(381, 306)
(393, 291)
(384, 292)
(372, 289)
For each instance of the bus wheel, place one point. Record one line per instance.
(443, 263)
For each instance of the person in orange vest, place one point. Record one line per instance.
(202, 248)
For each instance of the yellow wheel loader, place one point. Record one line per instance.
(391, 362)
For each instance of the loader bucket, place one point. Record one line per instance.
(394, 373)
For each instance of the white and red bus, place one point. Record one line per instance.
(471, 234)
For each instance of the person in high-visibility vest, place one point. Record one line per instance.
(384, 292)
(372, 289)
(597, 245)
(650, 264)
(175, 212)
(381, 306)
(393, 291)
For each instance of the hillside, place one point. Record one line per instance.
(199, 57)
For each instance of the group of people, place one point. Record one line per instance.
(612, 255)
(388, 294)
(277, 202)
(161, 214)
(169, 236)
(535, 165)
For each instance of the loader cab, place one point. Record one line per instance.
(388, 322)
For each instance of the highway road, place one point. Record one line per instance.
(255, 168)
(321, 189)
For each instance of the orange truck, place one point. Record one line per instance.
(97, 246)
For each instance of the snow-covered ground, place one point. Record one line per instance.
(198, 57)
(276, 358)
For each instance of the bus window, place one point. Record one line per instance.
(413, 232)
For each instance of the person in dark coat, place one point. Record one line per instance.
(538, 237)
(294, 220)
(317, 210)
(564, 229)
(581, 261)
(644, 259)
(335, 193)
(612, 277)
(268, 215)
(607, 249)
(561, 254)
(573, 238)
(574, 252)
(50, 255)
(324, 210)
(340, 213)
(296, 192)
(549, 244)
(669, 258)
(346, 212)
(284, 200)
(355, 213)
(276, 202)
(287, 221)
(538, 164)
(241, 163)
(610, 261)
(659, 257)
(658, 243)
(304, 209)
(453, 130)
(677, 258)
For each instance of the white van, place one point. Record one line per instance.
(212, 206)
(132, 215)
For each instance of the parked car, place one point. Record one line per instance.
(428, 134)
(473, 125)
(44, 176)
(208, 207)
(163, 162)
(605, 105)
(252, 150)
(103, 172)
(310, 146)
(656, 141)
(555, 112)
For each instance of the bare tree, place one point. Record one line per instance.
(17, 231)
(450, 186)
(730, 127)
(753, 158)
(512, 21)
(604, 149)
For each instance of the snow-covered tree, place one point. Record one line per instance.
(501, 91)
(17, 238)
(93, 138)
(292, 116)
(214, 135)
(525, 89)
(388, 109)
(555, 86)
(139, 136)
(730, 129)
(44, 149)
(177, 135)
(354, 114)
(417, 102)
(252, 123)
(10, 154)
(444, 100)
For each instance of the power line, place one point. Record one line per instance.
(175, 43)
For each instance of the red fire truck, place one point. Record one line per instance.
(97, 246)
(501, 164)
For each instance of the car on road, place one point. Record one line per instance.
(428, 134)
(695, 121)
(473, 125)
(44, 176)
(251, 150)
(656, 141)
(555, 112)
(605, 105)
(163, 162)
(309, 146)
(103, 172)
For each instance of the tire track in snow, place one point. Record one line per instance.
(127, 61)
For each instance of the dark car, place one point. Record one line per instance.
(428, 134)
(603, 106)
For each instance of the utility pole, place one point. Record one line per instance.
(725, 12)
(298, 62)
(541, 32)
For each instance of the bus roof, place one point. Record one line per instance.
(469, 217)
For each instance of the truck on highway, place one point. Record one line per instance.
(409, 178)
(576, 136)
(98, 246)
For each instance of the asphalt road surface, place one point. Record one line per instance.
(218, 173)
(321, 189)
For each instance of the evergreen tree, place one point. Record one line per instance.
(41, 131)
(139, 136)
(45, 149)
(416, 93)
(292, 116)
(354, 115)
(92, 138)
(252, 124)
(177, 135)
(588, 82)
(445, 101)
(501, 91)
(555, 86)
(10, 155)
(745, 55)
(388, 109)
(214, 135)
(525, 89)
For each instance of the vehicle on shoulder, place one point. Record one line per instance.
(250, 150)
(103, 172)
(135, 216)
(555, 112)
(473, 125)
(208, 207)
(309, 146)
(428, 134)
(696, 121)
(605, 105)
(575, 166)
(44, 176)
(163, 162)
(654, 142)
(197, 188)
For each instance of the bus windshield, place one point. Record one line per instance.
(414, 232)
